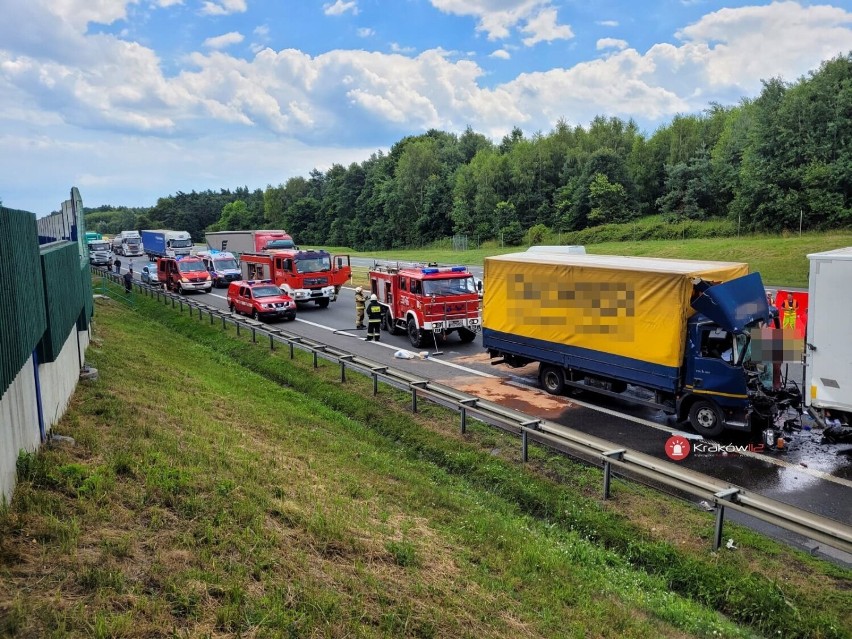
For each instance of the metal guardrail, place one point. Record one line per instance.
(588, 447)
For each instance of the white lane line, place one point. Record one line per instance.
(390, 346)
(613, 413)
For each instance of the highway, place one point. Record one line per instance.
(812, 476)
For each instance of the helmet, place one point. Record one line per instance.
(373, 297)
(359, 289)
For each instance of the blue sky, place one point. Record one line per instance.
(131, 100)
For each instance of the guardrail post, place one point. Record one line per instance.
(224, 328)
(375, 374)
(181, 305)
(237, 324)
(271, 343)
(343, 359)
(292, 354)
(173, 302)
(617, 454)
(414, 386)
(253, 334)
(316, 361)
(720, 497)
(211, 316)
(524, 426)
(463, 409)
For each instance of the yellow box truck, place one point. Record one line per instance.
(678, 328)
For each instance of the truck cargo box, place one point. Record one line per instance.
(828, 368)
(608, 311)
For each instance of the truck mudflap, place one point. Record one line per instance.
(733, 305)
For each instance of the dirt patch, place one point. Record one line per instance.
(525, 400)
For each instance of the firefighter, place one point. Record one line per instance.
(360, 302)
(374, 319)
(789, 311)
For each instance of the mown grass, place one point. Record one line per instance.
(781, 260)
(217, 488)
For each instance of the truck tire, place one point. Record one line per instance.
(706, 418)
(466, 335)
(415, 335)
(552, 379)
(323, 303)
(390, 324)
(180, 289)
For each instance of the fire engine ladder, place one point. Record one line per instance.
(387, 266)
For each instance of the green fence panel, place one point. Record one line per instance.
(88, 301)
(22, 312)
(62, 297)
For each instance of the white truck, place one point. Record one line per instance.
(127, 243)
(100, 253)
(828, 347)
(165, 243)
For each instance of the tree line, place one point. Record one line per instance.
(769, 163)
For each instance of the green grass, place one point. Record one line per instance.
(218, 488)
(781, 261)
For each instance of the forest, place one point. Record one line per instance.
(767, 164)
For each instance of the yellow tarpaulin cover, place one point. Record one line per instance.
(635, 307)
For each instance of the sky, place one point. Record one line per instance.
(132, 100)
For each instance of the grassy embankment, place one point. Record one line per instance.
(779, 260)
(217, 489)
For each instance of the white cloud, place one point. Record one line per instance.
(501, 54)
(340, 7)
(223, 7)
(224, 40)
(167, 3)
(365, 32)
(607, 23)
(398, 48)
(543, 28)
(495, 17)
(610, 43)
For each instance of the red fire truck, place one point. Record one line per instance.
(428, 302)
(306, 276)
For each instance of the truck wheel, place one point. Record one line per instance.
(390, 324)
(180, 289)
(323, 303)
(706, 418)
(466, 335)
(552, 379)
(415, 335)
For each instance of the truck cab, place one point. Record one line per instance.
(260, 299)
(183, 274)
(100, 253)
(306, 276)
(427, 301)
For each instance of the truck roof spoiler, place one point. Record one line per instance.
(733, 305)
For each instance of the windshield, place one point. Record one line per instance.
(191, 267)
(280, 244)
(450, 286)
(225, 264)
(266, 291)
(181, 243)
(99, 246)
(743, 346)
(313, 265)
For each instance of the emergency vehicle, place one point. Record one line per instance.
(183, 274)
(260, 299)
(427, 302)
(306, 276)
(221, 265)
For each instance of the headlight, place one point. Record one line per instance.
(183, 279)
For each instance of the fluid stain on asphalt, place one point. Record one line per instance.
(525, 400)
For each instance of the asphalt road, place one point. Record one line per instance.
(810, 475)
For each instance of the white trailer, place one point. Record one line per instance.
(828, 359)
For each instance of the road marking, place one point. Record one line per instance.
(390, 346)
(607, 411)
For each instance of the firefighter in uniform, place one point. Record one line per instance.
(360, 302)
(374, 319)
